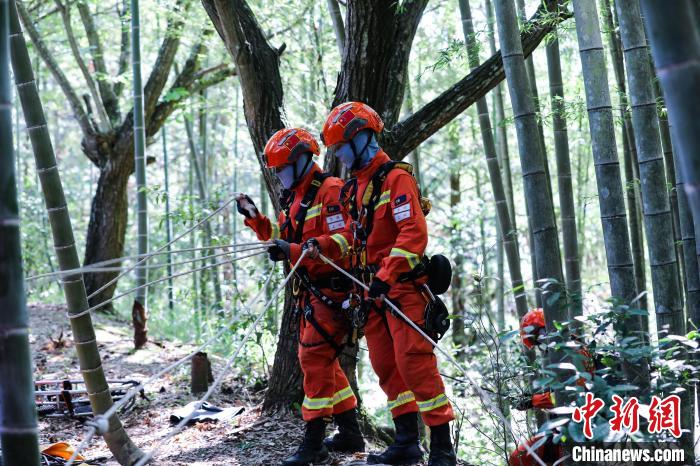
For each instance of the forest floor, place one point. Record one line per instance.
(251, 438)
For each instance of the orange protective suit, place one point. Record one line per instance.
(402, 359)
(326, 388)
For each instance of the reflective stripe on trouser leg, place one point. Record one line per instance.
(381, 355)
(415, 359)
(326, 388)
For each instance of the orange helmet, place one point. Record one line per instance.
(348, 119)
(286, 145)
(534, 319)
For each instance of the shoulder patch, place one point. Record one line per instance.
(331, 209)
(400, 200)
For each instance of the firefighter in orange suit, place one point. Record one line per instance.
(311, 208)
(387, 237)
(532, 333)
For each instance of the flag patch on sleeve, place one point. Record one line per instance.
(402, 212)
(400, 199)
(335, 222)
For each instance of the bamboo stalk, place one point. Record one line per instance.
(18, 423)
(116, 437)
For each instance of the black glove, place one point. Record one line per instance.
(378, 288)
(246, 206)
(522, 402)
(279, 251)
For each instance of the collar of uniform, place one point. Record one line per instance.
(301, 188)
(379, 159)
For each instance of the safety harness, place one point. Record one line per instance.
(436, 315)
(303, 280)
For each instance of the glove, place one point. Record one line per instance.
(246, 207)
(313, 247)
(522, 402)
(378, 288)
(279, 251)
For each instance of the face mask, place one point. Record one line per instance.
(292, 173)
(357, 157)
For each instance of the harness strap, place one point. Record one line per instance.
(316, 183)
(309, 316)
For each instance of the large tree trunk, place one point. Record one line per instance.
(18, 424)
(107, 226)
(116, 438)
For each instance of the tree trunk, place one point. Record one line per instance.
(658, 220)
(656, 208)
(676, 48)
(116, 438)
(607, 168)
(566, 190)
(457, 289)
(538, 200)
(139, 313)
(630, 161)
(505, 221)
(168, 225)
(18, 424)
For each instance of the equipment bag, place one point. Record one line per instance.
(439, 272)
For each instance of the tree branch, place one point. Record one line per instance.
(125, 47)
(72, 97)
(409, 133)
(109, 101)
(257, 64)
(166, 56)
(104, 122)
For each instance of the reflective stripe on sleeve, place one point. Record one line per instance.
(433, 403)
(402, 399)
(275, 234)
(342, 243)
(413, 259)
(314, 211)
(383, 199)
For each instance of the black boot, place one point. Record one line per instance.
(349, 437)
(311, 451)
(406, 447)
(441, 451)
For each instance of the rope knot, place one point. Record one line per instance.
(99, 423)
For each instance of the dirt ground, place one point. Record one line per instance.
(251, 438)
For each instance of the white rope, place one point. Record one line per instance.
(132, 392)
(485, 397)
(96, 266)
(160, 280)
(148, 456)
(190, 230)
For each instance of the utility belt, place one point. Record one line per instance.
(438, 271)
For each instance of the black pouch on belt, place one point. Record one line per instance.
(439, 272)
(437, 320)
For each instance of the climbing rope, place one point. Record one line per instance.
(148, 456)
(177, 238)
(160, 280)
(100, 266)
(485, 397)
(100, 422)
